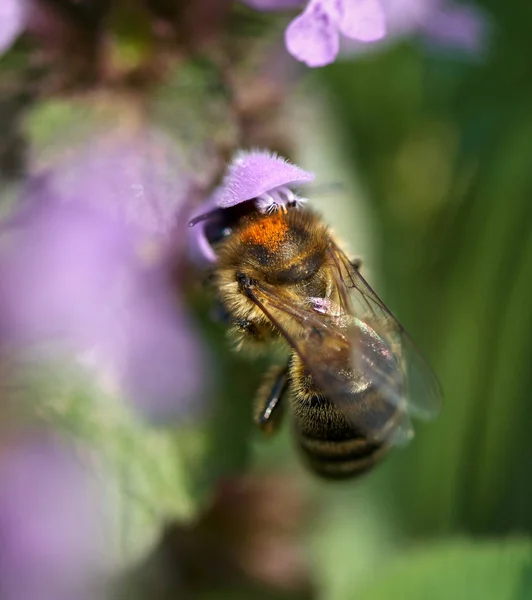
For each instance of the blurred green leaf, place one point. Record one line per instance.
(460, 570)
(142, 471)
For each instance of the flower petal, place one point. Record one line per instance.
(404, 17)
(460, 26)
(57, 272)
(12, 19)
(85, 280)
(257, 172)
(200, 251)
(137, 179)
(313, 37)
(163, 358)
(363, 20)
(51, 521)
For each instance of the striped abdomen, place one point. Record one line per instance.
(345, 438)
(337, 454)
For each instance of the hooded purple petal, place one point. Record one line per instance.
(313, 37)
(200, 250)
(254, 173)
(12, 21)
(363, 20)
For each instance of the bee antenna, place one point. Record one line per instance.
(202, 217)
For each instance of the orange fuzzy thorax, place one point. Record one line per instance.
(269, 232)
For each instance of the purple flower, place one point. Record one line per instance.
(86, 267)
(456, 25)
(257, 175)
(314, 36)
(439, 22)
(136, 179)
(12, 22)
(271, 5)
(261, 176)
(51, 522)
(200, 251)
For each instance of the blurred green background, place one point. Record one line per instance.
(444, 149)
(441, 151)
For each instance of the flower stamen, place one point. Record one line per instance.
(278, 199)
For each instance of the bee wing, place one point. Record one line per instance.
(421, 392)
(324, 344)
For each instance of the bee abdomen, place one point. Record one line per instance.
(339, 459)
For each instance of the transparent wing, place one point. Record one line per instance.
(421, 391)
(323, 341)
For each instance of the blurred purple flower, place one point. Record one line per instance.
(267, 5)
(455, 25)
(314, 36)
(137, 179)
(51, 523)
(257, 175)
(87, 264)
(12, 22)
(440, 22)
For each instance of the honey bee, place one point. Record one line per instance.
(353, 377)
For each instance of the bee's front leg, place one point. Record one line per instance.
(269, 405)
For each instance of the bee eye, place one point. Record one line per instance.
(215, 232)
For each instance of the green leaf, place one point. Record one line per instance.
(460, 570)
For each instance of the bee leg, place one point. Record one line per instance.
(356, 263)
(248, 328)
(268, 403)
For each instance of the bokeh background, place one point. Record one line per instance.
(423, 155)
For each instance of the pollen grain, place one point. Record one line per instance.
(268, 232)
